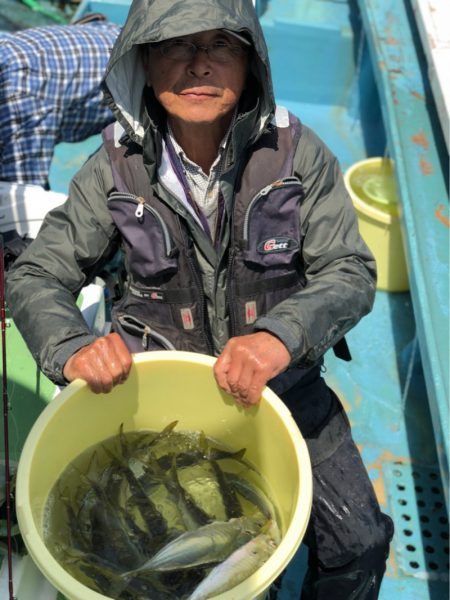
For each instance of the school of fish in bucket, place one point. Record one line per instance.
(161, 515)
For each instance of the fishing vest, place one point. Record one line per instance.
(164, 306)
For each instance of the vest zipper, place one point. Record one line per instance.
(203, 309)
(148, 332)
(140, 208)
(139, 214)
(229, 292)
(280, 183)
(133, 326)
(205, 329)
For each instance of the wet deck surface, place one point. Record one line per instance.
(384, 393)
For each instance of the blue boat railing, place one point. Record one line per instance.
(416, 143)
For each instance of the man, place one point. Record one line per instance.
(240, 241)
(50, 93)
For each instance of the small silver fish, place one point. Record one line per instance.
(193, 516)
(210, 543)
(242, 563)
(253, 494)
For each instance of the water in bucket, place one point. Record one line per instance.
(163, 514)
(374, 182)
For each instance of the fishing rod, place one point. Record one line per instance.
(5, 421)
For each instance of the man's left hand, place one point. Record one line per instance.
(247, 363)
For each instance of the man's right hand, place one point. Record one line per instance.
(103, 364)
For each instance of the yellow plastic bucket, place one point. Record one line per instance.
(163, 387)
(371, 184)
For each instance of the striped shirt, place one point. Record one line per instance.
(50, 93)
(204, 188)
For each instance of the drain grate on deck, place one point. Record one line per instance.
(421, 539)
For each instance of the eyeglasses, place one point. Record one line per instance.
(180, 50)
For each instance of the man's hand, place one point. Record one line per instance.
(103, 364)
(247, 363)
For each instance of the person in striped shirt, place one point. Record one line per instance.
(50, 93)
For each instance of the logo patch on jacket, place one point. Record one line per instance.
(276, 244)
(187, 318)
(250, 312)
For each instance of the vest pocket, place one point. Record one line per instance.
(255, 297)
(271, 230)
(146, 238)
(138, 336)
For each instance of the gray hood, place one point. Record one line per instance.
(157, 20)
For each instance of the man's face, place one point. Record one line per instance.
(198, 90)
